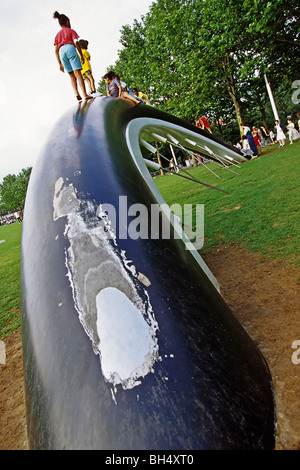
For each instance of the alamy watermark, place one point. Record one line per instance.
(296, 94)
(296, 353)
(157, 221)
(2, 353)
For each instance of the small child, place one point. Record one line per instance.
(86, 71)
(272, 136)
(127, 93)
(113, 86)
(66, 48)
(246, 150)
(257, 142)
(141, 95)
(292, 131)
(280, 137)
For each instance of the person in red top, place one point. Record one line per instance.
(66, 48)
(203, 123)
(257, 142)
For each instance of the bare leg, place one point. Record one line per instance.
(126, 95)
(87, 80)
(91, 83)
(74, 84)
(80, 81)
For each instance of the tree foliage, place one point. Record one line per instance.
(195, 57)
(13, 190)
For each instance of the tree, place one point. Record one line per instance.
(13, 190)
(209, 57)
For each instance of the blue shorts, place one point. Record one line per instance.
(69, 58)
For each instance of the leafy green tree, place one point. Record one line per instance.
(209, 57)
(13, 190)
(274, 29)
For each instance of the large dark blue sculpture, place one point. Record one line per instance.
(127, 342)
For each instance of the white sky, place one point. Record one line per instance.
(34, 93)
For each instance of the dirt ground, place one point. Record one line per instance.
(265, 297)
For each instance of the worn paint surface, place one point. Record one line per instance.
(110, 297)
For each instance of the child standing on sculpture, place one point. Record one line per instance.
(66, 47)
(86, 71)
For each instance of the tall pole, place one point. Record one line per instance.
(159, 160)
(273, 104)
(173, 153)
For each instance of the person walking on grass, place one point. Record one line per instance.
(257, 142)
(66, 47)
(292, 131)
(280, 137)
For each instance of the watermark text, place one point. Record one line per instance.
(156, 221)
(296, 353)
(296, 94)
(2, 353)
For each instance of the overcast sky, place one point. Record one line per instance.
(33, 92)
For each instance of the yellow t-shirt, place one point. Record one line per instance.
(86, 66)
(143, 96)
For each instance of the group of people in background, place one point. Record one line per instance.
(254, 140)
(292, 132)
(8, 219)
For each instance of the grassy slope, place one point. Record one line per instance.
(261, 211)
(10, 252)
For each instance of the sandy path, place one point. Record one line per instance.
(264, 295)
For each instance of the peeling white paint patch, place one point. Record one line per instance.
(144, 279)
(109, 295)
(127, 344)
(65, 200)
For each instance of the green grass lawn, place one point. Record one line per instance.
(261, 211)
(10, 258)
